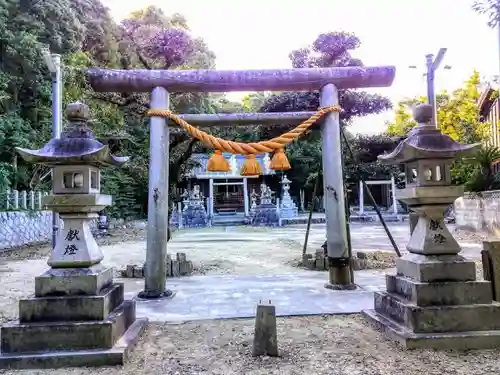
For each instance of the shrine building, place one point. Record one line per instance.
(227, 192)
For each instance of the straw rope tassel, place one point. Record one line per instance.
(218, 163)
(280, 162)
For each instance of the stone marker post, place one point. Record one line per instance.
(78, 316)
(265, 341)
(434, 300)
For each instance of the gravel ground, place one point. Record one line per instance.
(308, 345)
(318, 345)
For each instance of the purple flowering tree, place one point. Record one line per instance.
(328, 50)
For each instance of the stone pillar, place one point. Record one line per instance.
(211, 196)
(394, 200)
(361, 198)
(155, 271)
(493, 250)
(245, 195)
(333, 183)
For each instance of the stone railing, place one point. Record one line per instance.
(479, 212)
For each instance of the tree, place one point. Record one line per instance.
(490, 8)
(458, 115)
(85, 34)
(25, 28)
(331, 49)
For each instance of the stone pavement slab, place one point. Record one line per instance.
(236, 296)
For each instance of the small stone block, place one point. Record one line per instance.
(185, 268)
(116, 356)
(168, 266)
(175, 268)
(311, 264)
(73, 281)
(181, 257)
(138, 272)
(130, 271)
(71, 308)
(361, 255)
(320, 263)
(434, 268)
(265, 340)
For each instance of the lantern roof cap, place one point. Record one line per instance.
(425, 141)
(77, 144)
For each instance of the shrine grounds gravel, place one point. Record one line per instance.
(320, 345)
(313, 345)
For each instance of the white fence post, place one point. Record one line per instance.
(39, 200)
(24, 200)
(32, 200)
(7, 199)
(16, 200)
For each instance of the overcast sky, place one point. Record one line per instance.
(259, 34)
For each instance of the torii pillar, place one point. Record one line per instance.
(161, 82)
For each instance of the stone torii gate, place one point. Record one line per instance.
(162, 82)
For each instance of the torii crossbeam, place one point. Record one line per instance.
(161, 82)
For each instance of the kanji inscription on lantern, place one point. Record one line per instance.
(70, 249)
(435, 225)
(72, 235)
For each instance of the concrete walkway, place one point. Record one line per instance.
(255, 261)
(236, 296)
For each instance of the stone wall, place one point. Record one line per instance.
(19, 228)
(479, 213)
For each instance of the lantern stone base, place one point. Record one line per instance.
(78, 317)
(436, 302)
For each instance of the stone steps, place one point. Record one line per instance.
(438, 319)
(71, 308)
(451, 340)
(77, 358)
(82, 335)
(440, 293)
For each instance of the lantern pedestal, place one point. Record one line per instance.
(78, 315)
(434, 300)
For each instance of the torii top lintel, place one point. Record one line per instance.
(307, 79)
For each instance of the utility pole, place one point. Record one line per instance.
(53, 62)
(432, 64)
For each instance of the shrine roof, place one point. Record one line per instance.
(235, 161)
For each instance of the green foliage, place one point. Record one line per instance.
(86, 35)
(483, 176)
(458, 115)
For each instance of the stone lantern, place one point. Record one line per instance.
(434, 299)
(78, 316)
